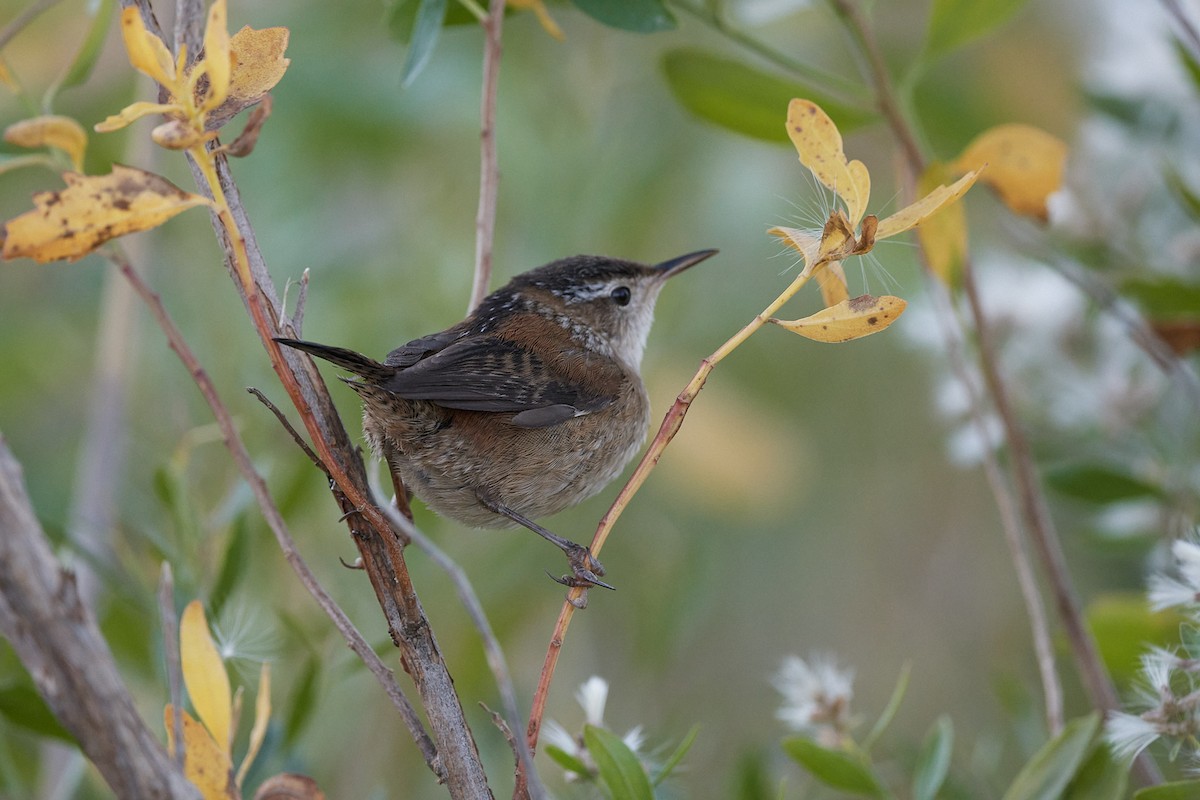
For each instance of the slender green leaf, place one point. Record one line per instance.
(953, 23)
(677, 756)
(1164, 297)
(1099, 483)
(743, 99)
(1179, 790)
(80, 69)
(233, 566)
(566, 760)
(838, 769)
(1190, 65)
(639, 16)
(619, 767)
(1101, 777)
(752, 779)
(303, 701)
(1188, 199)
(933, 763)
(1047, 774)
(889, 711)
(425, 31)
(24, 707)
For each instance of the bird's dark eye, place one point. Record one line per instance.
(621, 295)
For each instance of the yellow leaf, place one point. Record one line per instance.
(849, 319)
(544, 19)
(262, 716)
(258, 64)
(205, 764)
(147, 53)
(92, 209)
(7, 79)
(216, 56)
(918, 212)
(943, 236)
(204, 675)
(1024, 165)
(132, 112)
(819, 145)
(806, 242)
(63, 133)
(831, 278)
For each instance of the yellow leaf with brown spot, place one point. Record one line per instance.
(50, 130)
(205, 764)
(851, 319)
(72, 222)
(258, 64)
(1024, 165)
(819, 145)
(913, 215)
(217, 59)
(204, 674)
(831, 279)
(943, 235)
(147, 53)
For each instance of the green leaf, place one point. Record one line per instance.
(304, 700)
(25, 708)
(673, 760)
(425, 31)
(639, 16)
(838, 769)
(1124, 625)
(1099, 483)
(1190, 65)
(953, 23)
(745, 100)
(933, 763)
(566, 760)
(1047, 774)
(233, 566)
(619, 767)
(1179, 790)
(85, 59)
(1163, 297)
(889, 711)
(1100, 778)
(1183, 193)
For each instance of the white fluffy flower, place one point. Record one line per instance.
(1128, 734)
(816, 697)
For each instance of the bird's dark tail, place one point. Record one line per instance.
(357, 363)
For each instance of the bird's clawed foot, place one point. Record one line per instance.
(586, 569)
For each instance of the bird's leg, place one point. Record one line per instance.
(585, 567)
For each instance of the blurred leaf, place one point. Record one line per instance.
(1189, 636)
(1178, 790)
(639, 16)
(204, 674)
(1023, 164)
(851, 319)
(50, 130)
(835, 768)
(1188, 60)
(753, 779)
(1183, 193)
(943, 235)
(676, 757)
(566, 760)
(893, 706)
(80, 69)
(1047, 773)
(233, 566)
(619, 767)
(742, 99)
(1100, 778)
(25, 708)
(262, 717)
(933, 763)
(206, 763)
(1163, 297)
(303, 701)
(953, 23)
(1100, 484)
(1123, 625)
(92, 210)
(426, 28)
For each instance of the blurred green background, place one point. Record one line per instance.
(808, 505)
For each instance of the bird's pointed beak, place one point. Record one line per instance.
(677, 265)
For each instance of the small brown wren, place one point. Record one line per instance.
(530, 405)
